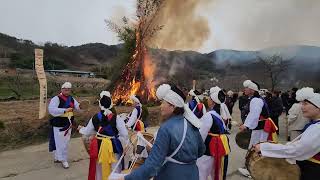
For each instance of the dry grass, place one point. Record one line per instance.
(22, 126)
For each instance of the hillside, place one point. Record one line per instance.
(227, 67)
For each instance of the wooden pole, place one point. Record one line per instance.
(38, 53)
(194, 84)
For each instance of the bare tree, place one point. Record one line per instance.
(274, 67)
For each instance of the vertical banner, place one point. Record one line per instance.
(38, 54)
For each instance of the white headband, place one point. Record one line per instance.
(215, 97)
(214, 89)
(105, 93)
(230, 93)
(251, 85)
(135, 99)
(66, 85)
(224, 111)
(308, 94)
(164, 92)
(191, 93)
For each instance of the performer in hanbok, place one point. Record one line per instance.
(105, 146)
(196, 106)
(305, 149)
(135, 122)
(222, 108)
(178, 144)
(258, 119)
(213, 130)
(61, 107)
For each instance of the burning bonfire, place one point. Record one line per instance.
(138, 75)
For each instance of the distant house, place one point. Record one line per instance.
(71, 73)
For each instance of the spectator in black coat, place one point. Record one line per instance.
(276, 108)
(243, 102)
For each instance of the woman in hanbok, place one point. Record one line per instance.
(178, 144)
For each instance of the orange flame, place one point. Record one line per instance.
(148, 70)
(144, 86)
(138, 76)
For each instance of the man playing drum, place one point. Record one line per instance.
(257, 120)
(305, 149)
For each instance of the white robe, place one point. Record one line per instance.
(61, 141)
(302, 148)
(133, 118)
(255, 109)
(123, 137)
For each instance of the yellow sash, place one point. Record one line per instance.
(106, 156)
(67, 114)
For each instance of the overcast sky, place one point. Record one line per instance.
(234, 24)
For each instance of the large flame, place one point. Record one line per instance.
(148, 71)
(138, 79)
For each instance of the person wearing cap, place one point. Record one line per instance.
(105, 146)
(305, 149)
(178, 144)
(61, 107)
(196, 106)
(220, 107)
(258, 118)
(213, 132)
(134, 122)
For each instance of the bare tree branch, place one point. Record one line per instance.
(274, 66)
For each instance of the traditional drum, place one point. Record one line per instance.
(266, 168)
(136, 165)
(243, 139)
(134, 139)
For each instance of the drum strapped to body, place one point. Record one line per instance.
(138, 161)
(147, 136)
(267, 168)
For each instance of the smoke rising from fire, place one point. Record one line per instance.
(184, 28)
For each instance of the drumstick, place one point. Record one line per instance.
(122, 156)
(139, 135)
(133, 163)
